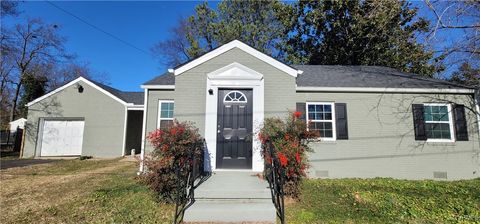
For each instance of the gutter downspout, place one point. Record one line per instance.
(144, 130)
(476, 99)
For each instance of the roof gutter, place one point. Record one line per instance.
(157, 87)
(382, 90)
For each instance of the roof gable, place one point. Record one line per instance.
(242, 46)
(107, 90)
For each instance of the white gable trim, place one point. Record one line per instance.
(73, 82)
(235, 71)
(244, 47)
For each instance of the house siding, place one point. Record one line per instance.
(104, 120)
(381, 140)
(382, 143)
(153, 97)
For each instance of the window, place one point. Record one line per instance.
(235, 96)
(438, 122)
(165, 113)
(321, 117)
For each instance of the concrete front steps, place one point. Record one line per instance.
(232, 197)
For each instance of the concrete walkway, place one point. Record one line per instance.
(231, 196)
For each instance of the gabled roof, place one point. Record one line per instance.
(128, 97)
(366, 77)
(164, 79)
(242, 46)
(125, 98)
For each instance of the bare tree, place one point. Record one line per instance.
(33, 43)
(172, 52)
(460, 19)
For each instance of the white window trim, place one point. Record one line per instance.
(450, 122)
(159, 112)
(334, 125)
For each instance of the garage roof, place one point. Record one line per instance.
(126, 98)
(129, 97)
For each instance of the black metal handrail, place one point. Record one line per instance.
(187, 171)
(276, 180)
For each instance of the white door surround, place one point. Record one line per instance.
(234, 75)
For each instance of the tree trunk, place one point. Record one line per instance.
(14, 103)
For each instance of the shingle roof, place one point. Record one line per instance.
(164, 79)
(129, 97)
(365, 76)
(348, 76)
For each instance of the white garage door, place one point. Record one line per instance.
(62, 138)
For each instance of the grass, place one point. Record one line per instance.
(105, 191)
(78, 191)
(383, 200)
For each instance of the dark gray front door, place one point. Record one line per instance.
(234, 129)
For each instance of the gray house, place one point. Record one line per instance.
(374, 121)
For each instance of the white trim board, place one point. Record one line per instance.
(141, 169)
(382, 90)
(242, 46)
(157, 86)
(72, 83)
(125, 131)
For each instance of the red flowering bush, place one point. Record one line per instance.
(289, 138)
(174, 145)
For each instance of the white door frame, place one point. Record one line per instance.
(233, 76)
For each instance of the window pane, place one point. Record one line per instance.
(324, 128)
(320, 112)
(166, 110)
(436, 113)
(438, 130)
(164, 106)
(165, 124)
(328, 116)
(311, 116)
(327, 108)
(164, 114)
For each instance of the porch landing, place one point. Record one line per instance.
(232, 196)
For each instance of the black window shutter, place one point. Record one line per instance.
(419, 122)
(461, 132)
(301, 108)
(341, 120)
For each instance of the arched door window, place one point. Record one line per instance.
(235, 97)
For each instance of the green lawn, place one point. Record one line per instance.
(386, 201)
(74, 191)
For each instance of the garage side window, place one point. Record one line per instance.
(165, 113)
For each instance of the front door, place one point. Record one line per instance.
(234, 129)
